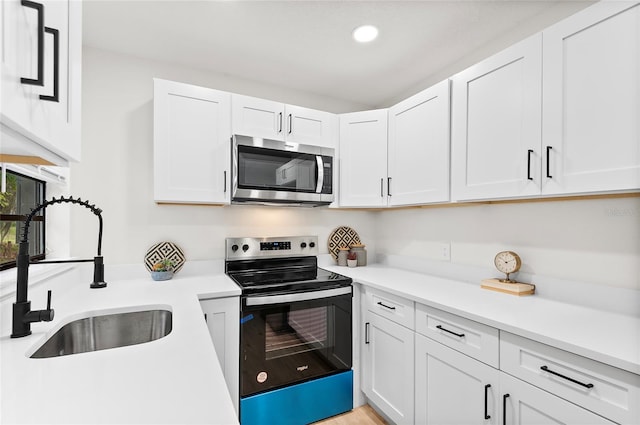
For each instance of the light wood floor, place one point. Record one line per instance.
(363, 415)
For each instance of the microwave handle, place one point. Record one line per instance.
(320, 164)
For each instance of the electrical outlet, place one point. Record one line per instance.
(445, 252)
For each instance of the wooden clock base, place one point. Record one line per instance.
(515, 288)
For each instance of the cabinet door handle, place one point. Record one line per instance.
(290, 123)
(280, 122)
(390, 307)
(486, 390)
(504, 408)
(546, 369)
(205, 317)
(366, 333)
(451, 332)
(389, 186)
(529, 152)
(56, 66)
(548, 166)
(381, 187)
(224, 183)
(39, 81)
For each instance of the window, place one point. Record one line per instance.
(23, 193)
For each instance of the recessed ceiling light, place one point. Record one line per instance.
(365, 33)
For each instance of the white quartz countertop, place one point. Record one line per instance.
(176, 379)
(604, 336)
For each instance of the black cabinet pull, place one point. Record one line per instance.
(205, 317)
(56, 66)
(39, 8)
(381, 187)
(451, 332)
(388, 186)
(486, 414)
(224, 184)
(548, 166)
(386, 306)
(529, 152)
(504, 408)
(366, 333)
(290, 123)
(546, 369)
(280, 121)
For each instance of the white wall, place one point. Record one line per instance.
(591, 241)
(116, 171)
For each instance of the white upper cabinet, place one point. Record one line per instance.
(363, 159)
(591, 100)
(496, 125)
(257, 117)
(191, 143)
(41, 78)
(418, 162)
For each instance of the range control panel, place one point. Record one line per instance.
(274, 247)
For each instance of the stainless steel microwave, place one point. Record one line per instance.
(283, 173)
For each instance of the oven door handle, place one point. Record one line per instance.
(300, 296)
(320, 183)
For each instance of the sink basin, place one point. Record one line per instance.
(107, 331)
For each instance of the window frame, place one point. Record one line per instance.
(21, 218)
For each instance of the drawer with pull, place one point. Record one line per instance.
(603, 389)
(393, 307)
(467, 336)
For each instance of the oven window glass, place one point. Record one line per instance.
(270, 169)
(288, 333)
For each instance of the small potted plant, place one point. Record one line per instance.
(352, 259)
(162, 270)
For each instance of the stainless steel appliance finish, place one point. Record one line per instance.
(107, 331)
(274, 172)
(295, 318)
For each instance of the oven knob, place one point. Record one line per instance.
(303, 245)
(245, 247)
(234, 247)
(312, 244)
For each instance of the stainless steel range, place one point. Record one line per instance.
(295, 331)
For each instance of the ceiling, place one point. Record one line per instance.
(307, 45)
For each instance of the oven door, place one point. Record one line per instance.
(270, 170)
(292, 338)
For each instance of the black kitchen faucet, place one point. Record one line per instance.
(23, 316)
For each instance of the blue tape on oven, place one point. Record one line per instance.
(246, 319)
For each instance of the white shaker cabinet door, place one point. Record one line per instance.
(191, 144)
(223, 321)
(591, 106)
(496, 125)
(523, 404)
(419, 148)
(388, 370)
(452, 388)
(255, 117)
(363, 159)
(47, 113)
(310, 126)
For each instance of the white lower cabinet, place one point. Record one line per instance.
(387, 355)
(426, 366)
(223, 320)
(523, 404)
(453, 388)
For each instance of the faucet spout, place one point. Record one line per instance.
(23, 316)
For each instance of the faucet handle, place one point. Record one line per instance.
(47, 315)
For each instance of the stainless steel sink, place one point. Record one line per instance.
(107, 331)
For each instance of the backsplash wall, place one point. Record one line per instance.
(592, 241)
